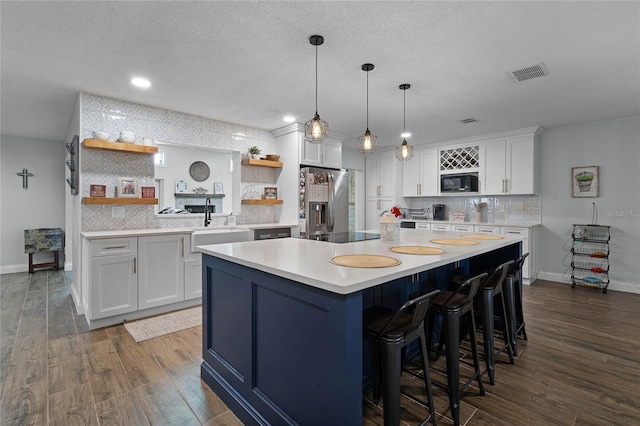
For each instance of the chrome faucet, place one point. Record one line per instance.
(207, 212)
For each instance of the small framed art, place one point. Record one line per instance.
(270, 193)
(98, 190)
(584, 181)
(148, 192)
(218, 188)
(127, 187)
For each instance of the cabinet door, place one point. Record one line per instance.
(332, 153)
(428, 172)
(387, 164)
(411, 178)
(310, 153)
(372, 218)
(114, 287)
(161, 274)
(371, 176)
(494, 168)
(520, 165)
(193, 278)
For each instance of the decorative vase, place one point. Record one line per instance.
(255, 156)
(389, 228)
(479, 217)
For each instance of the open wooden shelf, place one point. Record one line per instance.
(107, 200)
(264, 163)
(258, 202)
(119, 146)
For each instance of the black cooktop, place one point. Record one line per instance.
(343, 237)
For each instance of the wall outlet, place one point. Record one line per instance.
(117, 212)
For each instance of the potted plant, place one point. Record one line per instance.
(584, 181)
(254, 152)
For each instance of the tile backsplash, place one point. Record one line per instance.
(508, 209)
(104, 167)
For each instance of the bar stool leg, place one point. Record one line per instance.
(474, 352)
(505, 328)
(510, 312)
(427, 378)
(451, 329)
(392, 359)
(31, 263)
(487, 332)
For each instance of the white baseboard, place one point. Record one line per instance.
(68, 267)
(613, 285)
(23, 267)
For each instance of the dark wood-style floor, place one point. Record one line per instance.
(581, 365)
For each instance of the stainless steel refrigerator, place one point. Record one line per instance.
(324, 201)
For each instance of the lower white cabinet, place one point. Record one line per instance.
(486, 229)
(423, 225)
(463, 228)
(114, 279)
(161, 265)
(192, 272)
(529, 245)
(441, 227)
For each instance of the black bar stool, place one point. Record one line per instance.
(490, 289)
(389, 332)
(513, 295)
(454, 307)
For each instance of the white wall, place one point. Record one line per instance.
(614, 146)
(42, 205)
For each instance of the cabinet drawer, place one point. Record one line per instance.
(485, 229)
(114, 246)
(463, 228)
(518, 232)
(423, 225)
(440, 227)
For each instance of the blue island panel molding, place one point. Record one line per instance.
(279, 352)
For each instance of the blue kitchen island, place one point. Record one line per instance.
(282, 325)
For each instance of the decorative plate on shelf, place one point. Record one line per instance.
(199, 171)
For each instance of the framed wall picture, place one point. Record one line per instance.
(270, 193)
(127, 187)
(218, 188)
(584, 181)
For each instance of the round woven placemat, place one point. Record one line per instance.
(482, 237)
(365, 261)
(454, 242)
(423, 250)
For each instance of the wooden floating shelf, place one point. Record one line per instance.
(264, 163)
(106, 200)
(259, 202)
(119, 146)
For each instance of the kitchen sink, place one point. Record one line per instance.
(203, 237)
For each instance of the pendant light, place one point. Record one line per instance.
(367, 143)
(316, 130)
(404, 152)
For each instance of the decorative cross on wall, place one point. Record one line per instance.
(25, 178)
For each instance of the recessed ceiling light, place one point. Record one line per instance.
(140, 82)
(405, 135)
(289, 119)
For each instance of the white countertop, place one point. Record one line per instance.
(453, 222)
(309, 261)
(167, 231)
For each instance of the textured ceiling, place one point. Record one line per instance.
(251, 63)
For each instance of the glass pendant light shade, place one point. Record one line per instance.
(404, 152)
(368, 142)
(316, 130)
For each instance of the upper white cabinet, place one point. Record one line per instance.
(327, 154)
(508, 165)
(420, 174)
(381, 170)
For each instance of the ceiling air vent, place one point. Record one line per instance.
(527, 73)
(469, 121)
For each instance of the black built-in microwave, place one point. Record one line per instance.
(467, 182)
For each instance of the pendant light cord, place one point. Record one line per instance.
(404, 111)
(316, 79)
(367, 100)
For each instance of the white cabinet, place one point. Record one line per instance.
(441, 227)
(423, 225)
(463, 228)
(374, 208)
(161, 265)
(113, 275)
(420, 178)
(529, 245)
(486, 229)
(192, 272)
(326, 154)
(509, 166)
(380, 175)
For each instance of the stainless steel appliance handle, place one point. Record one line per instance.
(332, 187)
